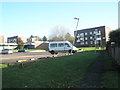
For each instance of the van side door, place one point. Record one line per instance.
(53, 46)
(67, 47)
(60, 46)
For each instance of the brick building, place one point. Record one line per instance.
(90, 37)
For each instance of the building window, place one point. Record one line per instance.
(99, 31)
(86, 42)
(82, 43)
(86, 38)
(78, 36)
(78, 40)
(91, 42)
(91, 37)
(82, 39)
(81, 34)
(96, 42)
(86, 33)
(91, 33)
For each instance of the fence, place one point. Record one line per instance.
(115, 53)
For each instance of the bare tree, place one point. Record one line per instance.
(20, 43)
(60, 33)
(69, 37)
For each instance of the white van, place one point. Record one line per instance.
(61, 46)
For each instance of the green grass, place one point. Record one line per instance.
(61, 72)
(111, 75)
(3, 65)
(88, 48)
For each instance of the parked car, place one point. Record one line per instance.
(23, 50)
(59, 46)
(7, 51)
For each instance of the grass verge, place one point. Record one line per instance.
(89, 48)
(61, 72)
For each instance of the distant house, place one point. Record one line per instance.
(36, 45)
(96, 36)
(15, 39)
(33, 39)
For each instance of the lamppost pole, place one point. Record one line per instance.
(76, 29)
(95, 37)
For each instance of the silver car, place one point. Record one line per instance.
(7, 51)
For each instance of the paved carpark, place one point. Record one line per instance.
(13, 58)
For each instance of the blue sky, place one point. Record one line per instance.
(39, 18)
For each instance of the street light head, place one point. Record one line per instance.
(76, 18)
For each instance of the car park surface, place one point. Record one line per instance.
(12, 58)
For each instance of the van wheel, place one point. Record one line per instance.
(56, 52)
(74, 51)
(69, 51)
(52, 52)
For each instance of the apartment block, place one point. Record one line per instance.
(91, 37)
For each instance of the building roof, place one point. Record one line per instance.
(91, 28)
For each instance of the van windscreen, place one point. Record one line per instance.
(67, 45)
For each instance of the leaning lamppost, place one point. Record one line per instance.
(76, 29)
(95, 38)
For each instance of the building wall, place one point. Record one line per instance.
(107, 31)
(87, 37)
(1, 38)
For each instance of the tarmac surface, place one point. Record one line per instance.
(12, 58)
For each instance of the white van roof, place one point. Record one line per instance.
(59, 42)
